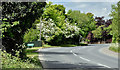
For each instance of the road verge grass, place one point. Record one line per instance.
(115, 49)
(30, 52)
(64, 45)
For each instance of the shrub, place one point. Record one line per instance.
(115, 49)
(9, 61)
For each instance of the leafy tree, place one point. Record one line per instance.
(31, 35)
(98, 32)
(100, 21)
(115, 23)
(84, 21)
(102, 32)
(17, 18)
(56, 13)
(54, 35)
(55, 29)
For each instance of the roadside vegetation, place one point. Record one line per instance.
(115, 49)
(14, 62)
(21, 24)
(115, 26)
(31, 52)
(64, 45)
(32, 60)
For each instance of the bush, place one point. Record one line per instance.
(9, 61)
(31, 35)
(115, 49)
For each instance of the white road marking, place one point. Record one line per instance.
(79, 56)
(84, 59)
(74, 54)
(103, 65)
(88, 59)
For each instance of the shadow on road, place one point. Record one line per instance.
(66, 60)
(56, 65)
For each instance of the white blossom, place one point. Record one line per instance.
(49, 29)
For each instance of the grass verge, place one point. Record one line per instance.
(115, 49)
(48, 46)
(30, 52)
(65, 45)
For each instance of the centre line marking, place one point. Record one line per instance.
(104, 65)
(87, 59)
(74, 54)
(84, 59)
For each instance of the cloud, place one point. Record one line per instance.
(104, 9)
(82, 6)
(97, 8)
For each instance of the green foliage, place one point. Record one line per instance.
(65, 45)
(53, 34)
(57, 30)
(82, 44)
(115, 23)
(9, 61)
(46, 45)
(87, 40)
(31, 35)
(76, 18)
(98, 32)
(115, 49)
(56, 13)
(31, 52)
(68, 45)
(84, 21)
(17, 18)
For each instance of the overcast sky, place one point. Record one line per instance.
(97, 7)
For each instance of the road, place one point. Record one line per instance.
(77, 58)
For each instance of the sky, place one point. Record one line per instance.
(97, 7)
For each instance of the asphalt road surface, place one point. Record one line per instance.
(77, 58)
